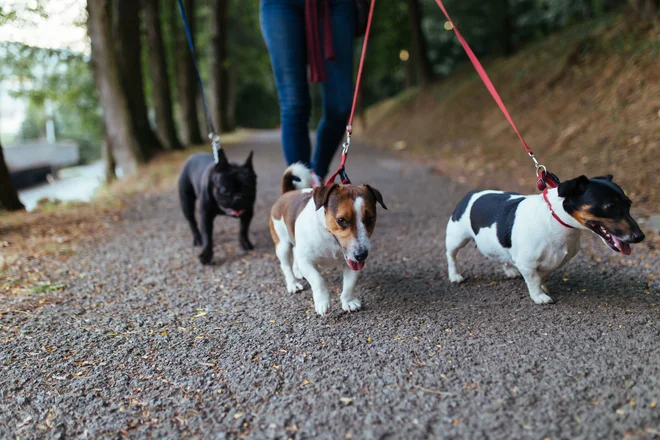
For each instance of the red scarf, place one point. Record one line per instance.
(315, 11)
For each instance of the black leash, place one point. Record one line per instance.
(215, 138)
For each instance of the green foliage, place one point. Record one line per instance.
(63, 79)
(34, 124)
(256, 103)
(46, 288)
(385, 73)
(487, 26)
(21, 12)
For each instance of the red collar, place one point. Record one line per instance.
(552, 211)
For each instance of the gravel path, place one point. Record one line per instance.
(144, 342)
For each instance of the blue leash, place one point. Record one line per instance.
(215, 139)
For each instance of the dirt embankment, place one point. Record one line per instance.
(587, 101)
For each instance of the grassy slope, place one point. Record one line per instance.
(586, 100)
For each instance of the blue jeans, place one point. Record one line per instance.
(283, 27)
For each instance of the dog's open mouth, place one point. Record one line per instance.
(355, 265)
(610, 240)
(233, 212)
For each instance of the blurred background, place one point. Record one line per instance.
(580, 77)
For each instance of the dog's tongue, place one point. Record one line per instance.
(622, 245)
(355, 265)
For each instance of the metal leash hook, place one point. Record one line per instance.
(215, 141)
(545, 178)
(347, 143)
(344, 154)
(341, 171)
(538, 165)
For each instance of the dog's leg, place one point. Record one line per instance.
(283, 251)
(243, 238)
(510, 271)
(296, 271)
(207, 237)
(535, 285)
(315, 280)
(454, 241)
(544, 286)
(349, 302)
(187, 198)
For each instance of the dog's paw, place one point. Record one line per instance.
(511, 272)
(456, 278)
(246, 244)
(295, 287)
(351, 305)
(206, 257)
(322, 307)
(545, 289)
(542, 299)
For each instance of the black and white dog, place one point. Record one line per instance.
(222, 188)
(534, 235)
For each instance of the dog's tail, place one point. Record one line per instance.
(297, 176)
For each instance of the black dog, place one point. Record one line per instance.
(222, 189)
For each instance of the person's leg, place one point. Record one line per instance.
(283, 28)
(337, 90)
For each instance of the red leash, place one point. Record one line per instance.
(341, 171)
(544, 178)
(552, 211)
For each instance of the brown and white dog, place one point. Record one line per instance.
(327, 223)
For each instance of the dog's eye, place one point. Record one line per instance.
(341, 221)
(611, 209)
(368, 221)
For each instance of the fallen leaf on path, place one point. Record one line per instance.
(440, 393)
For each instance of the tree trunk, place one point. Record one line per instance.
(231, 104)
(411, 79)
(185, 76)
(646, 9)
(126, 29)
(110, 164)
(120, 132)
(8, 196)
(219, 59)
(503, 41)
(418, 51)
(160, 83)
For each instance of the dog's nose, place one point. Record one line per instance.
(638, 236)
(362, 256)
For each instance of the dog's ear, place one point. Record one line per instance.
(248, 161)
(574, 187)
(223, 163)
(321, 194)
(608, 177)
(377, 195)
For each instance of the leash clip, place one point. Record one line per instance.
(541, 172)
(347, 143)
(215, 141)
